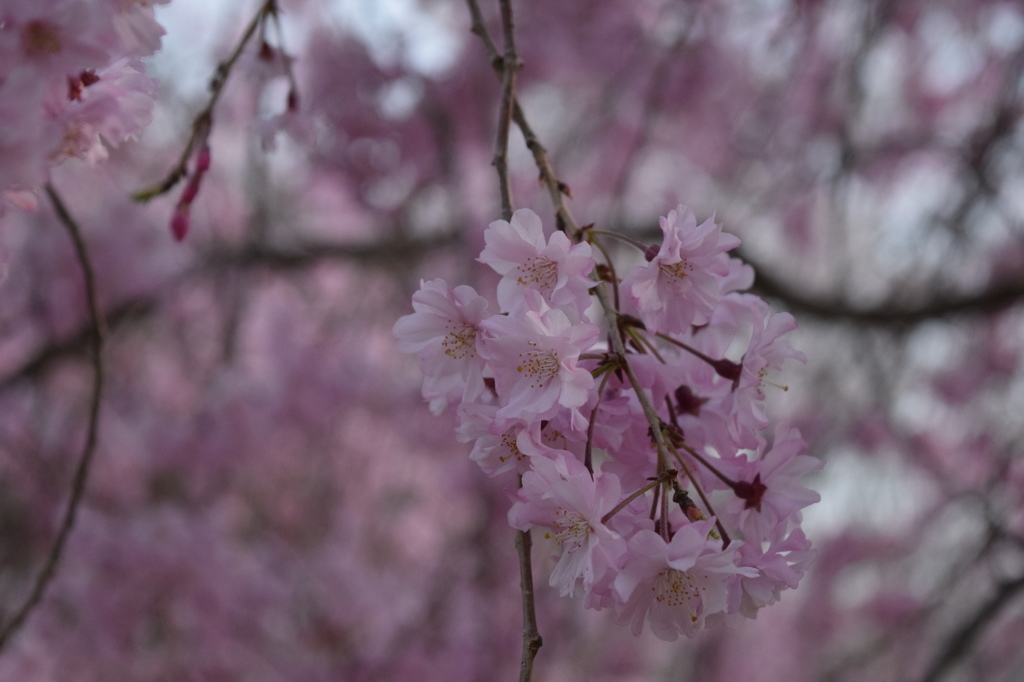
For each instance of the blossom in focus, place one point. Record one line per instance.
(778, 490)
(559, 494)
(555, 267)
(443, 333)
(535, 360)
(537, 412)
(683, 283)
(674, 586)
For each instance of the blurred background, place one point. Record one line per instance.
(271, 500)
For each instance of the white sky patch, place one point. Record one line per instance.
(953, 58)
(403, 31)
(877, 493)
(1004, 27)
(400, 97)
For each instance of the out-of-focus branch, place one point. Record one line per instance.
(960, 642)
(300, 256)
(288, 259)
(81, 474)
(799, 300)
(55, 351)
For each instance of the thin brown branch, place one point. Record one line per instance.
(81, 474)
(304, 255)
(961, 641)
(532, 641)
(480, 30)
(556, 188)
(203, 121)
(510, 64)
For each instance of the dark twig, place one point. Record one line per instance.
(510, 64)
(961, 641)
(558, 190)
(532, 640)
(798, 299)
(74, 344)
(49, 568)
(204, 119)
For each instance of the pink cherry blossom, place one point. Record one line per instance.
(559, 493)
(443, 332)
(675, 586)
(71, 83)
(535, 360)
(780, 566)
(555, 267)
(778, 490)
(737, 394)
(681, 285)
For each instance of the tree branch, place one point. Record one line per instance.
(72, 345)
(81, 474)
(532, 641)
(961, 641)
(797, 300)
(507, 66)
(204, 119)
(285, 259)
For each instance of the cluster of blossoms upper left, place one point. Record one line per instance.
(542, 395)
(71, 81)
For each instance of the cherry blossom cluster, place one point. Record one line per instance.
(650, 467)
(71, 82)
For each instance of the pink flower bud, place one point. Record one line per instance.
(191, 190)
(203, 160)
(180, 222)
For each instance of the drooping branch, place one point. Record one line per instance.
(81, 474)
(508, 65)
(556, 188)
(532, 641)
(203, 121)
